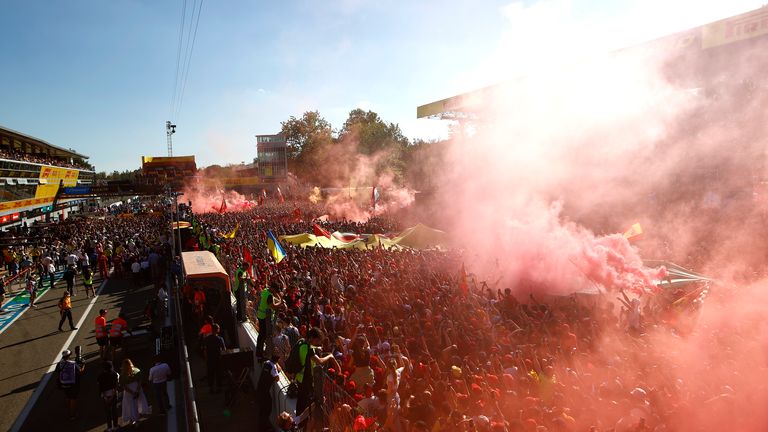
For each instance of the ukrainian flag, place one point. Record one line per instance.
(274, 247)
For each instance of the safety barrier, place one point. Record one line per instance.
(188, 389)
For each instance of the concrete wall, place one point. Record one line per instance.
(247, 334)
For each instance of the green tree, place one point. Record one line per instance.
(303, 133)
(375, 136)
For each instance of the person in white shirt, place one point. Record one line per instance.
(72, 259)
(136, 273)
(159, 375)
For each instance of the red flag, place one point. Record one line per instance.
(297, 213)
(249, 259)
(463, 285)
(280, 195)
(223, 206)
(320, 231)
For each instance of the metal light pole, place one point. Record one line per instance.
(170, 129)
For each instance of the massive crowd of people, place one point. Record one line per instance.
(413, 352)
(136, 248)
(400, 339)
(42, 159)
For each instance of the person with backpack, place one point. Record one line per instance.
(69, 372)
(108, 381)
(304, 357)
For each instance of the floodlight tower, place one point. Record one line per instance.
(170, 129)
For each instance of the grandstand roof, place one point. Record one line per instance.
(715, 46)
(55, 150)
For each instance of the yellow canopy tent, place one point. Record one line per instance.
(417, 237)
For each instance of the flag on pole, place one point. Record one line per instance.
(320, 231)
(280, 195)
(223, 206)
(274, 247)
(232, 234)
(374, 196)
(249, 259)
(633, 232)
(463, 285)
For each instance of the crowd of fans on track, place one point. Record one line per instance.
(399, 344)
(415, 353)
(136, 248)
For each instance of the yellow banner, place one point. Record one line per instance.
(231, 181)
(54, 174)
(12, 205)
(50, 177)
(168, 160)
(740, 27)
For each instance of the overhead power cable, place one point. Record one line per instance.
(178, 59)
(187, 58)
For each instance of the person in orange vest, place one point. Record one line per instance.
(206, 329)
(119, 325)
(65, 309)
(101, 333)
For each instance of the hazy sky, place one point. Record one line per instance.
(98, 76)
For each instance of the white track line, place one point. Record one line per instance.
(25, 310)
(22, 418)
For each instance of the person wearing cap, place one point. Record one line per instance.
(100, 331)
(68, 372)
(65, 309)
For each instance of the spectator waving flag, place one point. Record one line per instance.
(374, 196)
(249, 259)
(320, 231)
(274, 247)
(463, 285)
(232, 234)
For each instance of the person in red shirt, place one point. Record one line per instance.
(103, 265)
(101, 333)
(199, 303)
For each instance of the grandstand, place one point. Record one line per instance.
(727, 52)
(32, 172)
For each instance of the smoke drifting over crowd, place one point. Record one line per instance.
(638, 135)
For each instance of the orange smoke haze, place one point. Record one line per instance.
(560, 161)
